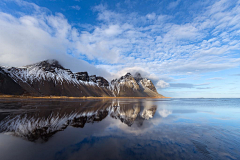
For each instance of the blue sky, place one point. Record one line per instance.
(187, 48)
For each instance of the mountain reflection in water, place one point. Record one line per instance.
(119, 129)
(42, 123)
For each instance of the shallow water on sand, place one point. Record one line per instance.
(120, 129)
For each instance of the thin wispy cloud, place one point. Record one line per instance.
(215, 78)
(76, 7)
(188, 85)
(174, 4)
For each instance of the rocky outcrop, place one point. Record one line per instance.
(82, 76)
(102, 82)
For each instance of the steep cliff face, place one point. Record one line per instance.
(126, 86)
(8, 86)
(83, 76)
(133, 86)
(51, 78)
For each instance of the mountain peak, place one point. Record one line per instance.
(128, 74)
(137, 76)
(50, 62)
(48, 65)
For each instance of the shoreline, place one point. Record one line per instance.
(65, 97)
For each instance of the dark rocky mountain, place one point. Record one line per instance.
(8, 85)
(49, 77)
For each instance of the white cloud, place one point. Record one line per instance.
(182, 32)
(30, 39)
(162, 84)
(76, 7)
(113, 30)
(173, 4)
(215, 78)
(151, 16)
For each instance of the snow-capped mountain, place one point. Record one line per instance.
(133, 86)
(51, 78)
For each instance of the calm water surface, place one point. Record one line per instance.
(120, 129)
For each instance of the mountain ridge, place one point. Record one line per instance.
(50, 78)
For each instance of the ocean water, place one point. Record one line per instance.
(120, 129)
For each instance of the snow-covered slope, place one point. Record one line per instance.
(49, 70)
